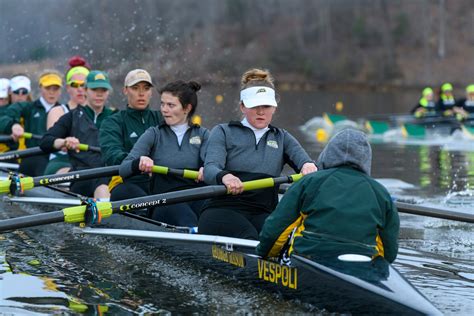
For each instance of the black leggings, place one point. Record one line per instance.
(181, 214)
(231, 223)
(34, 166)
(87, 187)
(129, 190)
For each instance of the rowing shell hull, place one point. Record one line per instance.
(328, 283)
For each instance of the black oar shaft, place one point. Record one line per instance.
(433, 212)
(30, 221)
(76, 175)
(34, 151)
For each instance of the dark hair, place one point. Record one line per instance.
(185, 92)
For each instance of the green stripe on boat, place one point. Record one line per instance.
(377, 127)
(413, 130)
(332, 119)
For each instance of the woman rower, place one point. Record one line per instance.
(426, 105)
(34, 115)
(20, 89)
(121, 131)
(175, 143)
(4, 103)
(81, 125)
(75, 87)
(466, 105)
(248, 150)
(338, 210)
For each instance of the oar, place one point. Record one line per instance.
(28, 183)
(35, 151)
(76, 214)
(9, 138)
(436, 212)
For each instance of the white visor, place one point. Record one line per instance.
(257, 96)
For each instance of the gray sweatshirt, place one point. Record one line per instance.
(232, 149)
(161, 144)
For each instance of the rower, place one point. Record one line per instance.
(466, 105)
(4, 103)
(81, 125)
(426, 105)
(338, 210)
(446, 102)
(120, 132)
(75, 87)
(34, 115)
(20, 89)
(175, 143)
(247, 150)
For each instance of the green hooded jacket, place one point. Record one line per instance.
(34, 116)
(337, 210)
(119, 132)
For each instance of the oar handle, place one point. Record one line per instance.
(270, 182)
(27, 135)
(85, 147)
(185, 173)
(15, 154)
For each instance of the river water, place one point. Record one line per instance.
(48, 270)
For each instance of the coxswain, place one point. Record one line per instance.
(121, 131)
(75, 86)
(426, 106)
(245, 150)
(175, 143)
(338, 210)
(34, 117)
(81, 125)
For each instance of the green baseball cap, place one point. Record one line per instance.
(447, 87)
(470, 88)
(98, 79)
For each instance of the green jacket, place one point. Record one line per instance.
(335, 211)
(121, 131)
(34, 116)
(11, 145)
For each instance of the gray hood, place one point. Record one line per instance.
(348, 147)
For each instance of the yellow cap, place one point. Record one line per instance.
(48, 80)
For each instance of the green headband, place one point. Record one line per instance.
(74, 71)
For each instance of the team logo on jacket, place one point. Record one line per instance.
(36, 115)
(196, 140)
(133, 135)
(272, 143)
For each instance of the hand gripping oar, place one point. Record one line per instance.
(28, 183)
(9, 138)
(76, 214)
(35, 151)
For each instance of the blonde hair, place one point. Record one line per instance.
(257, 77)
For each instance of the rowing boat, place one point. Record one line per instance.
(344, 284)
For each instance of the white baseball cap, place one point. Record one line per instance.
(257, 96)
(4, 86)
(19, 82)
(137, 75)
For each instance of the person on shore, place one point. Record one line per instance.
(338, 210)
(247, 150)
(120, 132)
(75, 87)
(81, 125)
(426, 105)
(466, 105)
(20, 89)
(34, 116)
(175, 143)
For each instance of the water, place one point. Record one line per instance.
(64, 273)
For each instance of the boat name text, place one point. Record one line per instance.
(233, 258)
(278, 274)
